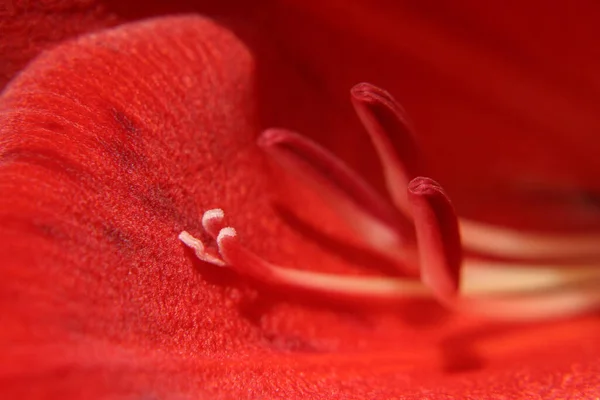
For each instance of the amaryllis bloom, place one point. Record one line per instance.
(192, 207)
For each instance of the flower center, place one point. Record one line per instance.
(466, 265)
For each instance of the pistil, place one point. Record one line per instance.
(467, 266)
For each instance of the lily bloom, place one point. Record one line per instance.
(120, 135)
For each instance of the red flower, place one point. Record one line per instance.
(113, 143)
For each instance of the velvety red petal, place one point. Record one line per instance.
(110, 147)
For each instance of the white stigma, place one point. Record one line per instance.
(226, 232)
(215, 213)
(191, 242)
(200, 249)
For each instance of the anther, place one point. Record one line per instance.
(438, 238)
(386, 121)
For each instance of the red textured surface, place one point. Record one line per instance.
(112, 144)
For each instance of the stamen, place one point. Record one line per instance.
(382, 227)
(438, 237)
(384, 119)
(307, 158)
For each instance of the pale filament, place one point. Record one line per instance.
(510, 243)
